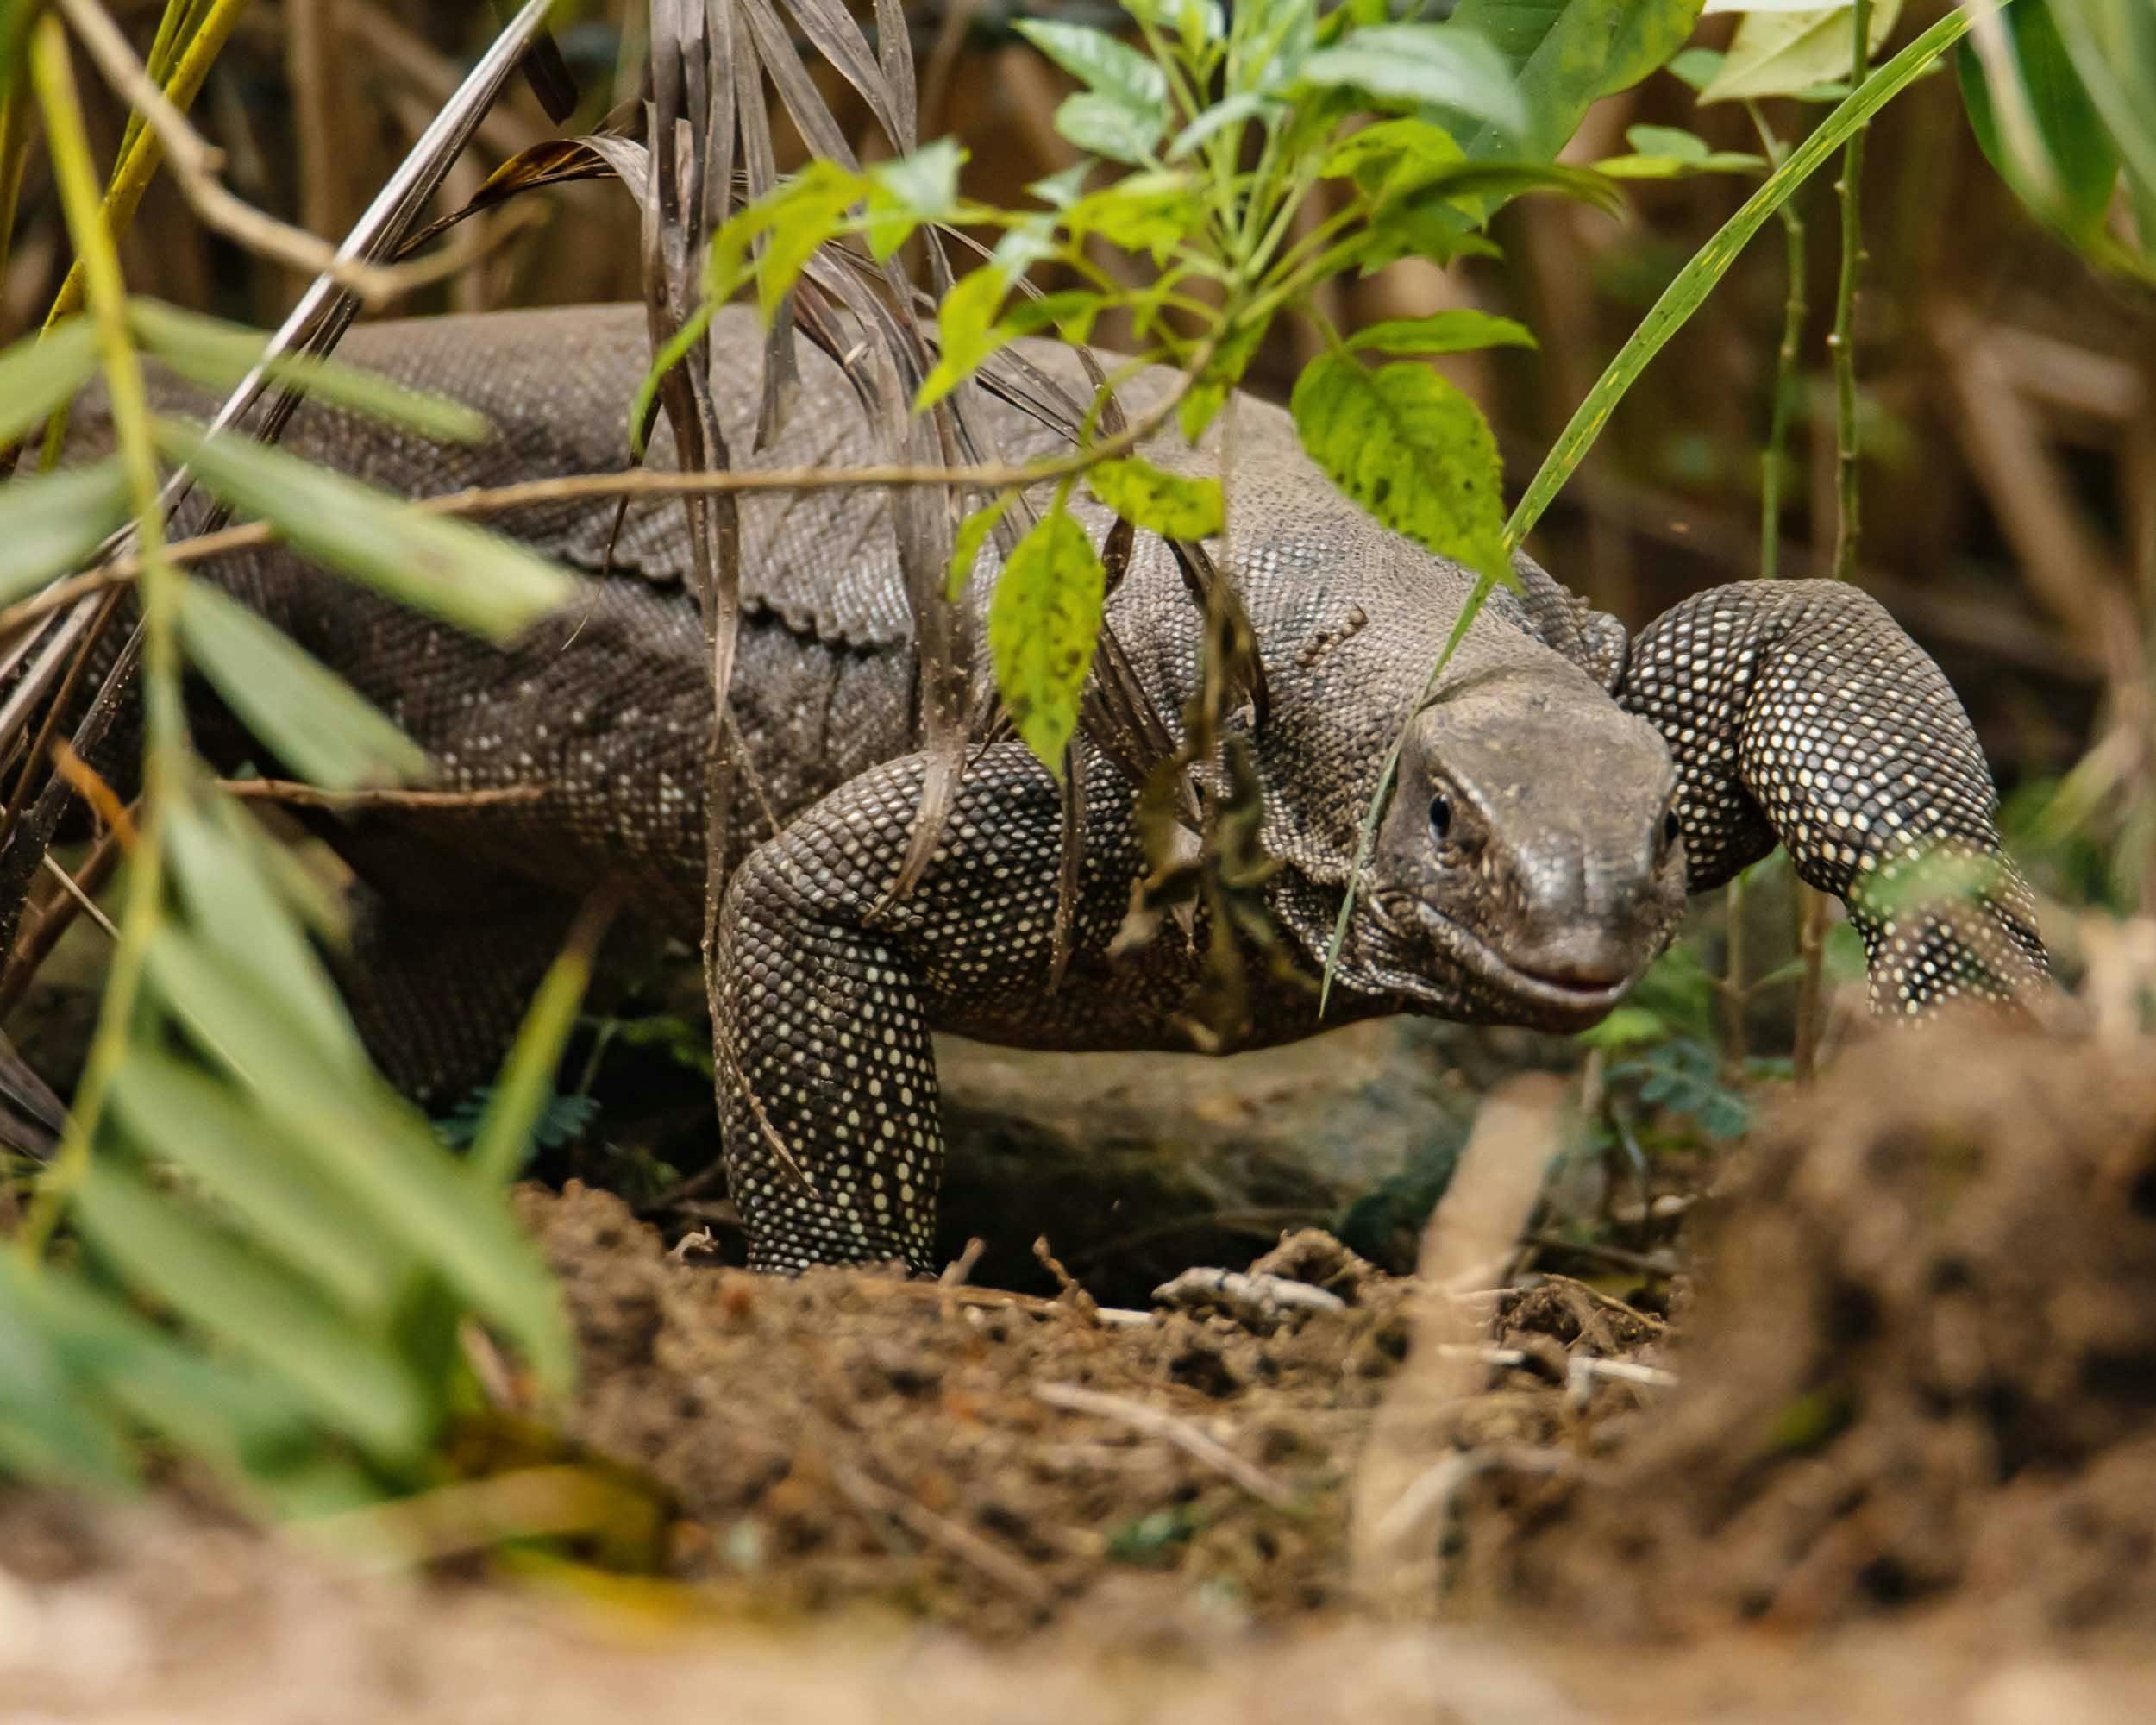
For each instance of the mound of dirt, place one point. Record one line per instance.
(985, 1458)
(1923, 1359)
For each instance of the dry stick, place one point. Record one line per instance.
(88, 904)
(1157, 1423)
(1848, 449)
(288, 791)
(1394, 1510)
(194, 162)
(34, 944)
(991, 1559)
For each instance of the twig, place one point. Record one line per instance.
(1257, 1302)
(195, 162)
(991, 1559)
(313, 796)
(1156, 1422)
(88, 905)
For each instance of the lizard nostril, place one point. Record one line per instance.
(1671, 827)
(1440, 817)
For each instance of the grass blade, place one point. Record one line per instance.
(49, 523)
(37, 375)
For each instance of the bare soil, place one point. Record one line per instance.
(1906, 1470)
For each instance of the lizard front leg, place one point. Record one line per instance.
(1800, 711)
(825, 995)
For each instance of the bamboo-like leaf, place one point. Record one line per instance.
(1043, 625)
(51, 522)
(354, 1378)
(265, 1176)
(48, 1430)
(36, 375)
(1412, 449)
(1696, 280)
(219, 354)
(450, 569)
(372, 1148)
(236, 899)
(1164, 503)
(317, 723)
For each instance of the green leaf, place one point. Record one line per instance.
(1666, 141)
(973, 534)
(1404, 153)
(1565, 55)
(1784, 53)
(1412, 449)
(370, 1147)
(38, 373)
(264, 1176)
(1247, 105)
(1698, 67)
(354, 1378)
(318, 724)
(1164, 503)
(903, 194)
(475, 580)
(239, 897)
(1043, 623)
(1665, 153)
(1698, 278)
(1442, 332)
(809, 211)
(212, 352)
(2066, 165)
(965, 331)
(1101, 63)
(47, 1429)
(1452, 67)
(49, 523)
(1102, 126)
(1147, 212)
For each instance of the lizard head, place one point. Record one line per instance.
(1529, 867)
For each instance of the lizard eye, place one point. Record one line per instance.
(1440, 817)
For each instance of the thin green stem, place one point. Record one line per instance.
(1812, 928)
(98, 257)
(1787, 357)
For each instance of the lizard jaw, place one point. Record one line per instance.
(1563, 1003)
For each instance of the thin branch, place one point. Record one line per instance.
(1156, 1422)
(88, 905)
(292, 793)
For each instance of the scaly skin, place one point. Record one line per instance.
(1557, 795)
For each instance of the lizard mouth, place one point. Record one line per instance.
(1577, 1000)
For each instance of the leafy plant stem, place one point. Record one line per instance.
(1696, 280)
(97, 260)
(1794, 313)
(1848, 498)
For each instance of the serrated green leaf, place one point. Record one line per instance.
(1100, 125)
(49, 523)
(450, 569)
(1782, 53)
(2067, 171)
(318, 724)
(1456, 331)
(353, 1378)
(37, 373)
(1164, 503)
(376, 1151)
(1101, 63)
(973, 534)
(1378, 155)
(1412, 449)
(1141, 212)
(264, 1177)
(1562, 56)
(1452, 67)
(210, 351)
(966, 332)
(1247, 104)
(1043, 623)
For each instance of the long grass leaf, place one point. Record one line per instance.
(36, 375)
(51, 523)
